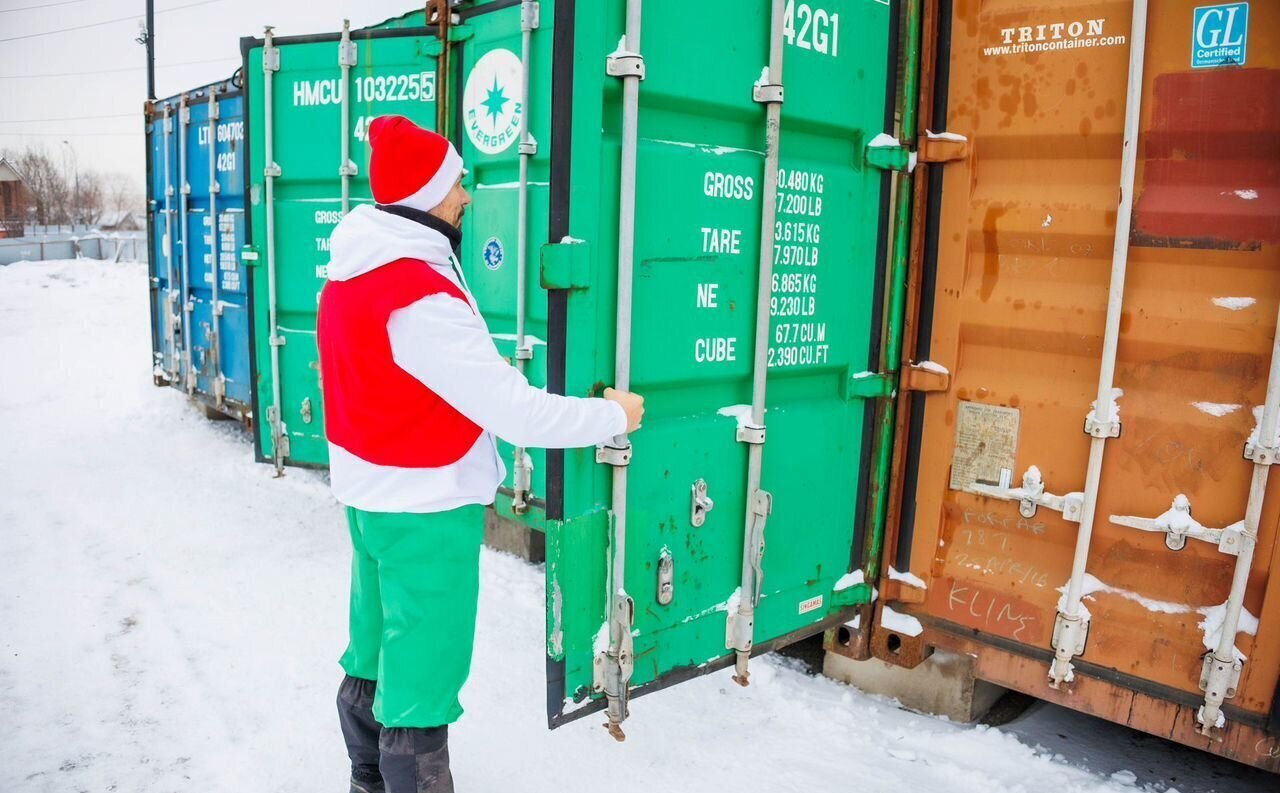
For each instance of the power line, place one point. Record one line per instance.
(129, 18)
(46, 5)
(65, 118)
(223, 59)
(71, 134)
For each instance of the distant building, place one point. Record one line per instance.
(14, 200)
(120, 220)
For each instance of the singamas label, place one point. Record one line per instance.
(1053, 36)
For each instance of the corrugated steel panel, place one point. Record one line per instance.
(1017, 263)
(199, 287)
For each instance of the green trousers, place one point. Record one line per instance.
(415, 582)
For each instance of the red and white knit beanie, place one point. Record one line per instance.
(409, 165)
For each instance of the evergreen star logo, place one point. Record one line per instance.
(491, 101)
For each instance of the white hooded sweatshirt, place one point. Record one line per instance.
(446, 346)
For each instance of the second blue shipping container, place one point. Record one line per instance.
(199, 288)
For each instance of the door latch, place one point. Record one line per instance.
(666, 577)
(702, 504)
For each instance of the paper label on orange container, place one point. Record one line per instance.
(986, 445)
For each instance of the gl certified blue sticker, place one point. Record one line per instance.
(1219, 35)
(493, 253)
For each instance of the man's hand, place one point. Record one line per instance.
(633, 404)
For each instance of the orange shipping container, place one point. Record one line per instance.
(1014, 269)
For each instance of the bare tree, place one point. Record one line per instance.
(60, 195)
(92, 198)
(46, 184)
(122, 192)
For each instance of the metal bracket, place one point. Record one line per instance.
(890, 158)
(1226, 673)
(524, 353)
(942, 147)
(213, 107)
(346, 55)
(184, 114)
(1101, 429)
(528, 146)
(270, 57)
(1073, 633)
(530, 16)
(624, 64)
(1177, 525)
(1031, 496)
(617, 456)
(277, 340)
(739, 631)
(186, 188)
(271, 171)
(1258, 454)
(869, 385)
(701, 503)
(611, 674)
(925, 379)
(216, 187)
(349, 169)
(766, 93)
(750, 433)
(762, 503)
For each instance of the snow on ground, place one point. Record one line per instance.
(171, 616)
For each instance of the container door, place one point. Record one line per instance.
(232, 308)
(487, 136)
(162, 189)
(200, 246)
(394, 72)
(1018, 259)
(697, 248)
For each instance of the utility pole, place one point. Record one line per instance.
(151, 49)
(75, 197)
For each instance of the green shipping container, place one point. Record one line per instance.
(643, 597)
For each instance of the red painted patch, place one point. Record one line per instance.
(1211, 171)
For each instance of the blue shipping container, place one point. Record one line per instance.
(199, 288)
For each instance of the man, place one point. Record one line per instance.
(414, 391)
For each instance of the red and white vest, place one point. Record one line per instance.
(373, 408)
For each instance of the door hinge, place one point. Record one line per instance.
(855, 595)
(434, 48)
(925, 377)
(937, 147)
(869, 385)
(565, 264)
(889, 154)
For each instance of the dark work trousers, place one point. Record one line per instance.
(395, 760)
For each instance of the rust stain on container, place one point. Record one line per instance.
(1024, 242)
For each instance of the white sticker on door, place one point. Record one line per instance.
(491, 101)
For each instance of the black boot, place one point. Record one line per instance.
(360, 730)
(416, 760)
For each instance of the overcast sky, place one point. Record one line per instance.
(87, 86)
